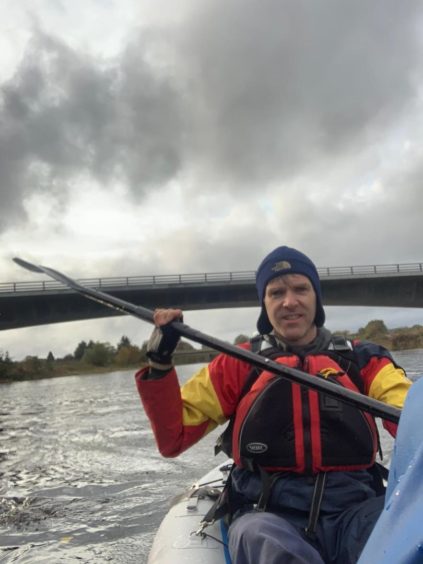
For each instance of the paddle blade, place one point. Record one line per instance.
(28, 265)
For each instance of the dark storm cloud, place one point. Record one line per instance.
(399, 225)
(251, 93)
(64, 114)
(285, 82)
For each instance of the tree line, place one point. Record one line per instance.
(397, 339)
(96, 356)
(93, 356)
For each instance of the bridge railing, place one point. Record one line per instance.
(370, 270)
(247, 277)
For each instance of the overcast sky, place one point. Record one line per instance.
(142, 137)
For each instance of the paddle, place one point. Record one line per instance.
(376, 408)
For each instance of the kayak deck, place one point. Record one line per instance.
(179, 538)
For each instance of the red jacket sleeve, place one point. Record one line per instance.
(180, 417)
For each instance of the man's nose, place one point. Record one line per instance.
(290, 299)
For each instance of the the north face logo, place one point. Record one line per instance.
(282, 265)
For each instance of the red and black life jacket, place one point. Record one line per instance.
(283, 426)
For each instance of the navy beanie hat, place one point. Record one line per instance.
(285, 260)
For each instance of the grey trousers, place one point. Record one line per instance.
(265, 538)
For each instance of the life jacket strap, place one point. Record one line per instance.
(221, 507)
(267, 481)
(316, 503)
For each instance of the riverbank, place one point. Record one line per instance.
(398, 339)
(19, 372)
(67, 369)
(102, 358)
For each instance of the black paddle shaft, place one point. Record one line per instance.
(365, 403)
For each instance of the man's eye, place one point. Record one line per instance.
(277, 294)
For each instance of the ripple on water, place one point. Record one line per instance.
(88, 521)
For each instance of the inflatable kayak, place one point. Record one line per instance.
(182, 538)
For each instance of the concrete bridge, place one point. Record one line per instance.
(24, 304)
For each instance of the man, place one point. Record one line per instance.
(304, 486)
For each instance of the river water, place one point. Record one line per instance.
(80, 478)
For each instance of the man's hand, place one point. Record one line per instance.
(164, 339)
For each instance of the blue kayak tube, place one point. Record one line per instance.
(398, 535)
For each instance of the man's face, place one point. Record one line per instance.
(290, 303)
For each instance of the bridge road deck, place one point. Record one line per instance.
(25, 304)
